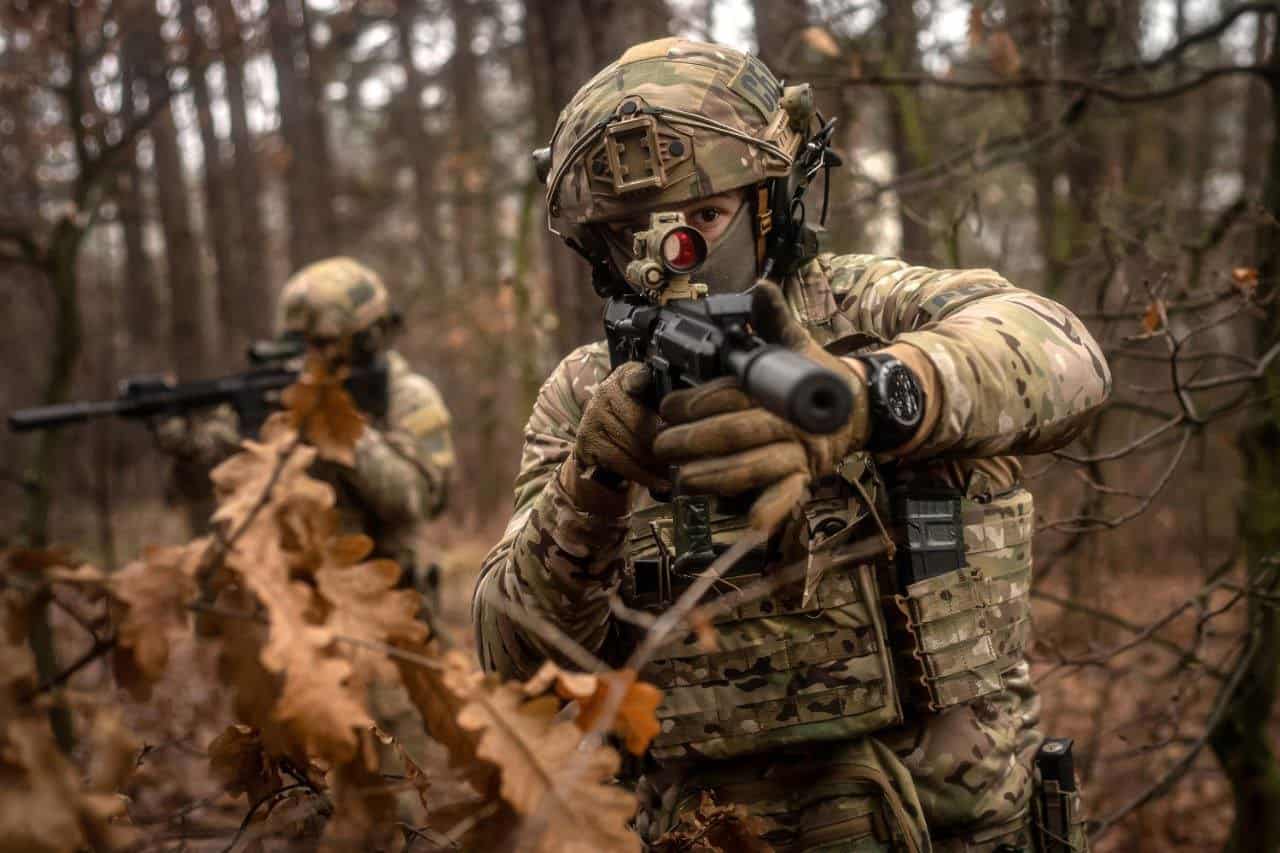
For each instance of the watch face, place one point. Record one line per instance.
(902, 395)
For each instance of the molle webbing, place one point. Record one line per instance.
(956, 633)
(997, 538)
(786, 670)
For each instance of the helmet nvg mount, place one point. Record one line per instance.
(675, 120)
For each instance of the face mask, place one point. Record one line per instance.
(730, 266)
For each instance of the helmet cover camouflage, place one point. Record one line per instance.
(670, 121)
(333, 298)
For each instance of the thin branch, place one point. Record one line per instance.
(1126, 449)
(1124, 624)
(1208, 33)
(99, 648)
(1076, 84)
(1085, 523)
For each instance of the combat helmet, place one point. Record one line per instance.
(674, 120)
(333, 298)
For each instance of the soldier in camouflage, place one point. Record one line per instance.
(845, 711)
(341, 309)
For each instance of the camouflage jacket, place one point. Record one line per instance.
(399, 480)
(1016, 373)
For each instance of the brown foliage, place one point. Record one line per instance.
(303, 623)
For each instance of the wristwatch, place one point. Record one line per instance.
(896, 401)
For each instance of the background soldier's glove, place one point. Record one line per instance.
(206, 438)
(173, 435)
(726, 445)
(617, 430)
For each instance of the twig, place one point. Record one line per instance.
(99, 648)
(1126, 449)
(254, 810)
(1085, 522)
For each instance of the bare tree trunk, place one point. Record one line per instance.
(248, 321)
(187, 323)
(1254, 153)
(1241, 739)
(778, 27)
(561, 60)
(218, 214)
(1085, 159)
(321, 166)
(141, 307)
(469, 167)
(1045, 168)
(906, 128)
(420, 148)
(304, 225)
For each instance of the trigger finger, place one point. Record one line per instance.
(714, 398)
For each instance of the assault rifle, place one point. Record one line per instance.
(688, 338)
(252, 393)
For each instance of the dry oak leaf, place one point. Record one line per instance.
(240, 763)
(1245, 280)
(414, 776)
(320, 408)
(636, 719)
(365, 606)
(713, 828)
(152, 595)
(264, 477)
(439, 690)
(1153, 320)
(546, 772)
(820, 41)
(321, 702)
(1003, 54)
(42, 808)
(113, 752)
(364, 804)
(635, 715)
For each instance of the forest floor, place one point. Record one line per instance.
(1132, 719)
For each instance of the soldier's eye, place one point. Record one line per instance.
(707, 215)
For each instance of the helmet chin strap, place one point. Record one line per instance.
(764, 223)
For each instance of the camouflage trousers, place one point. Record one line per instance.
(955, 782)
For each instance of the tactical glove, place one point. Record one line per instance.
(617, 429)
(205, 439)
(725, 445)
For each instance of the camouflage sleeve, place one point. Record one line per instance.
(558, 560)
(1018, 373)
(402, 469)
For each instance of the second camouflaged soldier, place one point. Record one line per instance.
(877, 705)
(340, 309)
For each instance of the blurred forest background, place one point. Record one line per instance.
(165, 164)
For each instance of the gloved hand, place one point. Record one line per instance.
(617, 429)
(173, 435)
(205, 438)
(725, 445)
